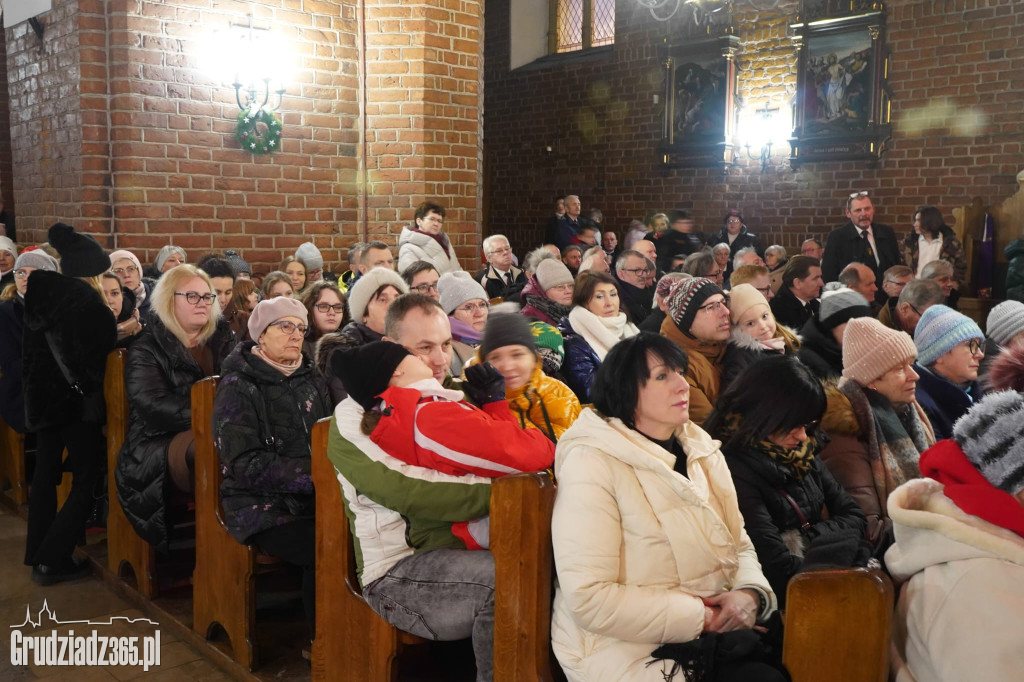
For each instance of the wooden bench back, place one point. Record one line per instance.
(12, 465)
(838, 625)
(521, 507)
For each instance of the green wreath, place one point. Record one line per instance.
(252, 138)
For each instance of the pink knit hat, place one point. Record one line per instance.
(272, 310)
(870, 349)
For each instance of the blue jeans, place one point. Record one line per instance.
(441, 594)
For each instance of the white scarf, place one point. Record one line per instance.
(601, 332)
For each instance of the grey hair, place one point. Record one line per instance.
(620, 263)
(720, 246)
(698, 264)
(737, 260)
(492, 239)
(921, 293)
(937, 268)
(534, 258)
(778, 250)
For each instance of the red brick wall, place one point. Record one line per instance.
(6, 166)
(149, 155)
(604, 128)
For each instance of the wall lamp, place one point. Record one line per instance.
(763, 129)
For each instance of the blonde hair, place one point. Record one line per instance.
(163, 303)
(96, 283)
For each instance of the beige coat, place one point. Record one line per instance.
(960, 616)
(636, 546)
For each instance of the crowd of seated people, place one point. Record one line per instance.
(718, 418)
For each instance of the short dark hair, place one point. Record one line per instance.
(816, 241)
(931, 220)
(215, 266)
(589, 226)
(680, 214)
(365, 252)
(416, 268)
(429, 207)
(312, 296)
(586, 283)
(775, 394)
(617, 384)
(402, 306)
(798, 267)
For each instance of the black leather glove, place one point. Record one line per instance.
(484, 384)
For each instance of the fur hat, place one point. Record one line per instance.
(742, 298)
(165, 253)
(870, 349)
(237, 263)
(990, 435)
(842, 305)
(34, 257)
(551, 273)
(366, 370)
(310, 255)
(359, 294)
(940, 330)
(1005, 321)
(506, 329)
(458, 287)
(687, 297)
(272, 310)
(1006, 373)
(80, 254)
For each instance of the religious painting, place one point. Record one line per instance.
(699, 102)
(842, 104)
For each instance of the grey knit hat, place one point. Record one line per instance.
(237, 263)
(458, 287)
(310, 255)
(990, 435)
(359, 294)
(1005, 321)
(38, 259)
(842, 305)
(552, 273)
(165, 253)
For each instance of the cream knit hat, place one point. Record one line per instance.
(870, 349)
(742, 298)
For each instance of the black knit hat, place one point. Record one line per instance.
(366, 370)
(80, 254)
(687, 297)
(506, 329)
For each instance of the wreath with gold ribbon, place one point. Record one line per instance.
(258, 131)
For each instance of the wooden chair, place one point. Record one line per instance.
(353, 643)
(12, 464)
(125, 549)
(838, 625)
(521, 507)
(224, 580)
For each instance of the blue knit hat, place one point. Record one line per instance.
(940, 330)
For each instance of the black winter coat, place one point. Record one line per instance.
(767, 514)
(844, 245)
(262, 426)
(743, 240)
(158, 383)
(352, 335)
(12, 327)
(788, 309)
(83, 332)
(820, 351)
(636, 301)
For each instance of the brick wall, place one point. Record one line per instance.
(957, 75)
(149, 155)
(6, 166)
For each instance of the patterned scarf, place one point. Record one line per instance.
(798, 460)
(554, 311)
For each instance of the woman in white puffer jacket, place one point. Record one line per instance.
(648, 539)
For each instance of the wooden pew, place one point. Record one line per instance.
(12, 464)
(521, 507)
(353, 643)
(838, 626)
(125, 549)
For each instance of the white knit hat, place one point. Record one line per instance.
(359, 294)
(458, 287)
(310, 256)
(1005, 321)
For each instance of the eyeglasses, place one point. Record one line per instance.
(639, 271)
(21, 274)
(130, 270)
(715, 306)
(473, 307)
(713, 275)
(858, 194)
(498, 252)
(425, 288)
(764, 292)
(568, 286)
(193, 297)
(289, 327)
(327, 307)
(975, 346)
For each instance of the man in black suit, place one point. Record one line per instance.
(501, 279)
(861, 240)
(797, 299)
